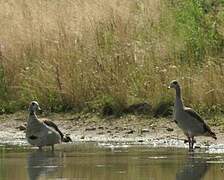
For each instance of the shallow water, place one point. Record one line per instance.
(89, 161)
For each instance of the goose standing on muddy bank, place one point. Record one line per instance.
(188, 120)
(42, 133)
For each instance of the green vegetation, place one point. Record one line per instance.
(84, 54)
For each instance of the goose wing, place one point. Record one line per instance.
(54, 126)
(198, 118)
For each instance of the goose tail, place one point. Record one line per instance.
(211, 134)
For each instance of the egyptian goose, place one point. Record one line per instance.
(42, 133)
(188, 120)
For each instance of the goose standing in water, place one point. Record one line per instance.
(188, 120)
(42, 133)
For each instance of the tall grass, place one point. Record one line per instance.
(87, 53)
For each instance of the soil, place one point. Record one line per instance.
(128, 129)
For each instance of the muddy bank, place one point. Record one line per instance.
(126, 130)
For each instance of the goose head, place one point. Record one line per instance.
(174, 84)
(34, 107)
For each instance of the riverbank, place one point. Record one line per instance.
(128, 129)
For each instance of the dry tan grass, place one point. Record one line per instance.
(74, 52)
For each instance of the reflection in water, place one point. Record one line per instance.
(42, 163)
(97, 163)
(194, 169)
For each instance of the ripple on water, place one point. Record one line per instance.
(158, 157)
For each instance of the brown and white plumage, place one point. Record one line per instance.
(40, 133)
(54, 126)
(189, 120)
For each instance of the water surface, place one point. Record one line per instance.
(93, 162)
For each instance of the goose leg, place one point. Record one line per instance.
(191, 143)
(187, 141)
(52, 147)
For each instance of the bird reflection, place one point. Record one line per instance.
(194, 168)
(42, 163)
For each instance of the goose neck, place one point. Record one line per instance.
(32, 114)
(178, 101)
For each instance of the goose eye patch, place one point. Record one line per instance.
(175, 82)
(33, 137)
